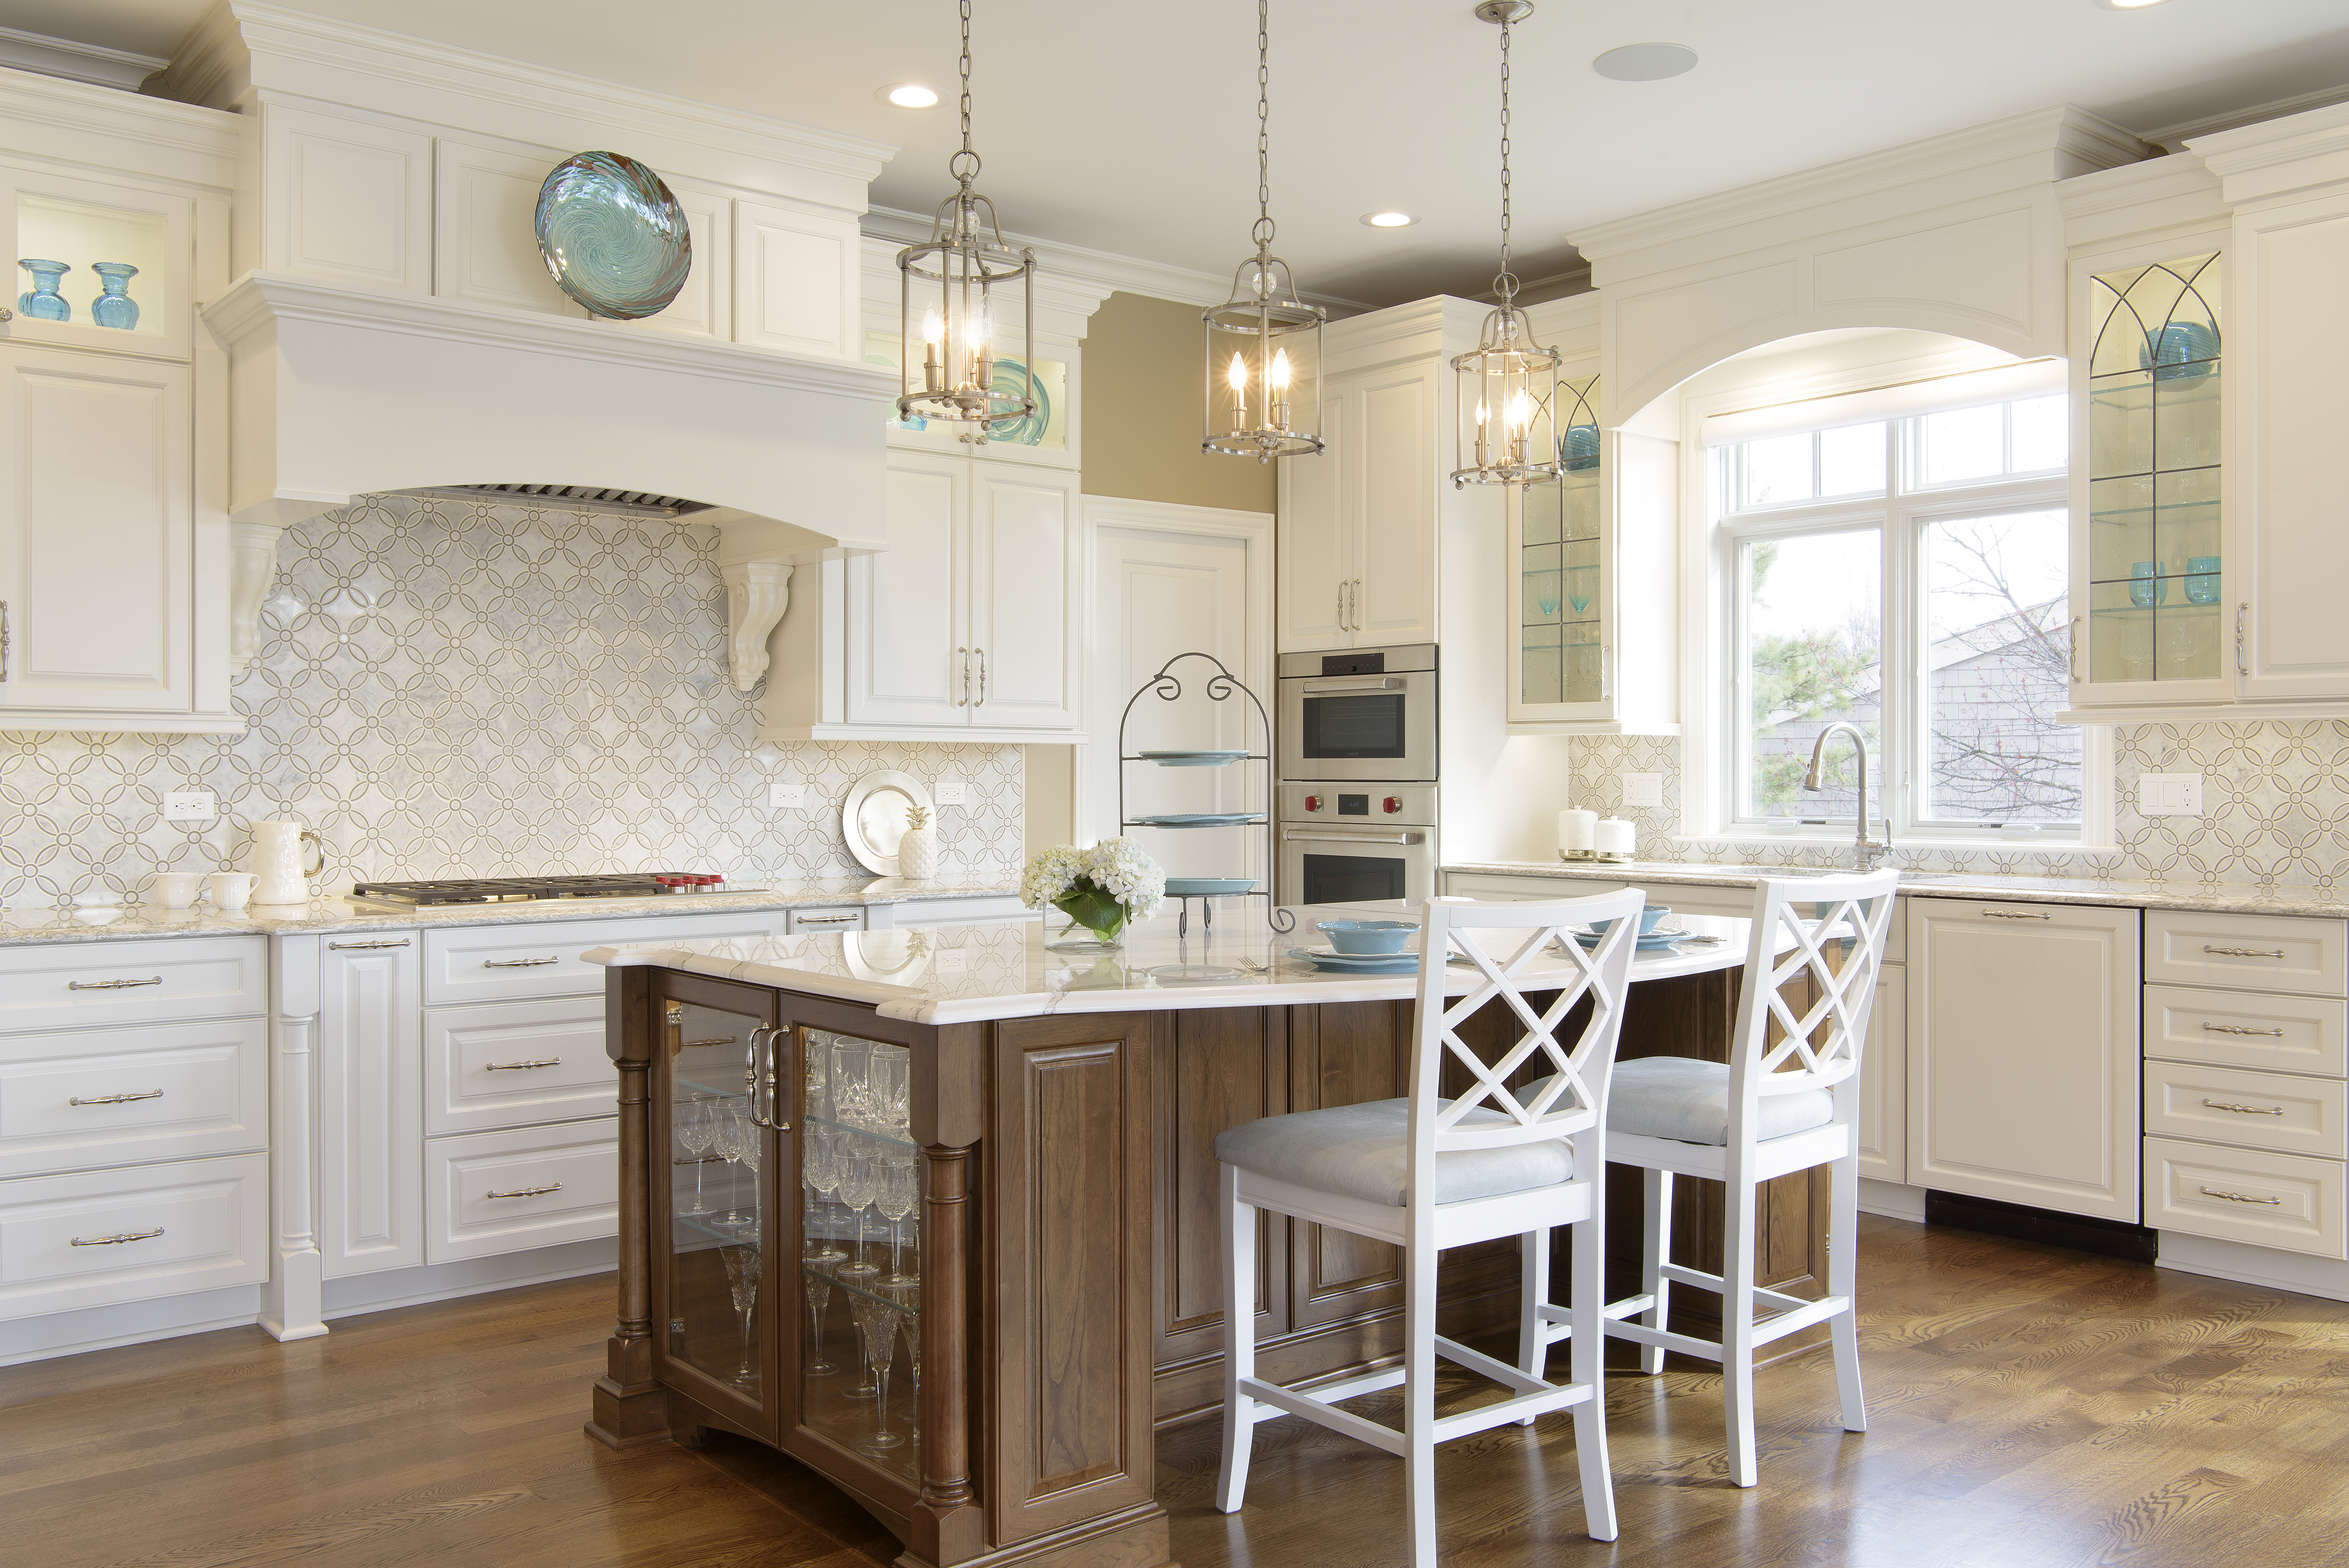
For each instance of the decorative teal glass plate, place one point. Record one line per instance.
(1191, 759)
(1351, 964)
(1653, 941)
(612, 236)
(1009, 382)
(1210, 887)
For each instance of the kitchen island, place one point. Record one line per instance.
(1045, 1121)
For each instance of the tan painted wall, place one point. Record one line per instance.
(1143, 382)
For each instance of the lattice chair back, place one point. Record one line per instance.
(1793, 1044)
(1510, 950)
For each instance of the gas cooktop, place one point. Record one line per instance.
(523, 890)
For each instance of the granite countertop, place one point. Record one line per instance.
(114, 923)
(2308, 901)
(967, 973)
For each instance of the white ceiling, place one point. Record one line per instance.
(1129, 127)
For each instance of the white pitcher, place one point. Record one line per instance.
(283, 861)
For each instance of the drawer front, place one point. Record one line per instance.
(2254, 1109)
(493, 1193)
(152, 1231)
(836, 918)
(520, 963)
(2257, 952)
(93, 985)
(104, 1097)
(516, 1063)
(2247, 1030)
(2245, 1195)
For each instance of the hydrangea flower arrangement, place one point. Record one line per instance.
(1101, 889)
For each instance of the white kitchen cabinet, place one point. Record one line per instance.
(1883, 1116)
(506, 1192)
(508, 1064)
(80, 1098)
(371, 1103)
(94, 1238)
(1357, 543)
(2022, 1054)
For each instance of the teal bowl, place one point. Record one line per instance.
(1367, 936)
(1649, 918)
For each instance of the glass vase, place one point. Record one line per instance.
(115, 308)
(43, 303)
(1101, 918)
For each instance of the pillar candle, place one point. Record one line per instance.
(1577, 832)
(1616, 836)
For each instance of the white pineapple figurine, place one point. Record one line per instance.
(917, 850)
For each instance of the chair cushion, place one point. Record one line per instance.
(1688, 1102)
(1365, 1151)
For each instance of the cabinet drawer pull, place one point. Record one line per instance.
(522, 1067)
(363, 946)
(825, 919)
(531, 1191)
(2239, 1029)
(518, 962)
(116, 1241)
(1340, 688)
(2246, 1109)
(111, 984)
(2239, 1197)
(117, 1098)
(2244, 951)
(2013, 914)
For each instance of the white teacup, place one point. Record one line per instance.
(178, 890)
(230, 890)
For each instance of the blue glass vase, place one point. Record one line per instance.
(44, 303)
(115, 308)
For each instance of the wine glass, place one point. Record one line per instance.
(860, 1174)
(886, 1081)
(849, 1062)
(742, 1280)
(731, 1132)
(895, 1196)
(878, 1322)
(817, 1058)
(694, 1132)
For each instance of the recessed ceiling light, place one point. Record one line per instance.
(2126, 5)
(1389, 220)
(1645, 62)
(909, 94)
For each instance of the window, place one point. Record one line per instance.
(1907, 575)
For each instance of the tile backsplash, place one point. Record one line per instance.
(448, 689)
(2275, 803)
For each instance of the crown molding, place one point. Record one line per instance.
(89, 63)
(242, 46)
(2277, 157)
(2041, 147)
(105, 129)
(2175, 137)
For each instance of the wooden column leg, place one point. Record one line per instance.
(946, 1526)
(631, 1409)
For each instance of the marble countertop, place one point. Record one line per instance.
(970, 973)
(114, 923)
(2308, 902)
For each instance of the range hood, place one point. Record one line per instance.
(337, 393)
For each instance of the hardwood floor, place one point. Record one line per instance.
(2029, 1407)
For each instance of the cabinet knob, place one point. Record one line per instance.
(6, 314)
(1313, 802)
(1393, 803)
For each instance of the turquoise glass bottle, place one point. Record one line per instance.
(115, 308)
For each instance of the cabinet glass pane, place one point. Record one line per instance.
(2156, 581)
(1047, 428)
(1558, 576)
(716, 1221)
(860, 1264)
(133, 245)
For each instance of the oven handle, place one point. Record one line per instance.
(1325, 689)
(1293, 836)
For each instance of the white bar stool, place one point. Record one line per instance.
(1773, 1109)
(1424, 1173)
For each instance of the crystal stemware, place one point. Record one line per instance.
(743, 1279)
(860, 1180)
(815, 1281)
(734, 1133)
(850, 1059)
(696, 1131)
(877, 1322)
(895, 1196)
(886, 1085)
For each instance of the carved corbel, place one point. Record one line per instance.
(253, 567)
(756, 594)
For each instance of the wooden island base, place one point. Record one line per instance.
(1070, 1259)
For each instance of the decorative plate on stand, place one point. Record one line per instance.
(613, 236)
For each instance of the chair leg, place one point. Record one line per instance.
(1419, 1399)
(1588, 1359)
(1843, 1280)
(1533, 1293)
(1655, 1250)
(1240, 1341)
(1737, 1331)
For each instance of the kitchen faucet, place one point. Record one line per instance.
(1866, 854)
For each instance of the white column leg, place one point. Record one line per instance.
(1737, 1325)
(1843, 1280)
(1240, 1341)
(1655, 1251)
(1533, 1293)
(292, 1302)
(1419, 1388)
(1588, 1358)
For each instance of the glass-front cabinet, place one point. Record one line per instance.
(2154, 621)
(1555, 549)
(787, 1279)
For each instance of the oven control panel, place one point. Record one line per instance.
(1358, 805)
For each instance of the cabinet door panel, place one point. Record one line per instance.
(2022, 1054)
(1314, 558)
(371, 1107)
(1344, 1054)
(485, 203)
(347, 201)
(905, 619)
(1217, 1069)
(97, 533)
(1395, 563)
(1883, 1081)
(1025, 558)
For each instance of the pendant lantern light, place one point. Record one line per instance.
(1507, 433)
(1251, 412)
(959, 289)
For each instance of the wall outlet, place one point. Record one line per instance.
(951, 961)
(780, 795)
(191, 806)
(1643, 790)
(2169, 794)
(949, 792)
